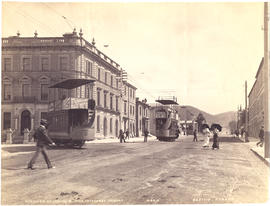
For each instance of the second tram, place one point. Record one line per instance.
(166, 117)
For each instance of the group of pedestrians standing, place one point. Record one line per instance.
(207, 134)
(125, 135)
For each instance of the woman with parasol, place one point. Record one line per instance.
(215, 128)
(206, 132)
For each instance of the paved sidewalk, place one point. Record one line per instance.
(257, 150)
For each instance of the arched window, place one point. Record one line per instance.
(7, 88)
(25, 82)
(44, 90)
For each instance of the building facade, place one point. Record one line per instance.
(256, 99)
(142, 117)
(128, 118)
(31, 64)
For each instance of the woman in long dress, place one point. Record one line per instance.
(206, 133)
(215, 139)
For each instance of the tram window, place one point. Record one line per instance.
(160, 123)
(160, 114)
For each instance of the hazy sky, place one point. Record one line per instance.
(200, 52)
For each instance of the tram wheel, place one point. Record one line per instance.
(78, 144)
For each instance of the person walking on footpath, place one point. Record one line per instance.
(43, 140)
(195, 136)
(145, 135)
(261, 136)
(121, 136)
(127, 134)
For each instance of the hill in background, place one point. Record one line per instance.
(190, 112)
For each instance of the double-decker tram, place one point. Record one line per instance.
(71, 119)
(166, 118)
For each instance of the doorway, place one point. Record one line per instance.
(25, 121)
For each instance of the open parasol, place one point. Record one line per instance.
(205, 126)
(218, 126)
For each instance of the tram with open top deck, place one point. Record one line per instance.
(71, 119)
(166, 117)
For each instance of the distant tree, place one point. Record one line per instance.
(200, 120)
(232, 126)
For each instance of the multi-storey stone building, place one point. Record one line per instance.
(128, 108)
(255, 98)
(142, 117)
(31, 64)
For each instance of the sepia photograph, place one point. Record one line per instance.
(135, 102)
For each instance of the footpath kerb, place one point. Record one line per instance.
(257, 150)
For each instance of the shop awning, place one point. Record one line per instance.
(72, 83)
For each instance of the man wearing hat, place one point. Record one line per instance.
(42, 141)
(261, 136)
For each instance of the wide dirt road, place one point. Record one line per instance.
(138, 173)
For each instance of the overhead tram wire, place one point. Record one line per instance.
(147, 92)
(140, 87)
(35, 21)
(62, 16)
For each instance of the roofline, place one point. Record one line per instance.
(130, 85)
(144, 104)
(257, 74)
(117, 67)
(259, 69)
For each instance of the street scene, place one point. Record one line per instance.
(180, 172)
(135, 103)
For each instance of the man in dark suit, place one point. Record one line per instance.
(42, 141)
(261, 136)
(195, 135)
(145, 135)
(121, 136)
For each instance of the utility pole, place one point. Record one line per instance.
(246, 114)
(266, 79)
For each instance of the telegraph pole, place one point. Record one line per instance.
(266, 79)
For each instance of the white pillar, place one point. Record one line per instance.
(16, 123)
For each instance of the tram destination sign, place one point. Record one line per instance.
(79, 103)
(69, 103)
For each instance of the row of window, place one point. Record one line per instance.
(98, 126)
(131, 92)
(131, 109)
(105, 98)
(107, 80)
(144, 111)
(105, 125)
(27, 63)
(63, 65)
(26, 91)
(7, 119)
